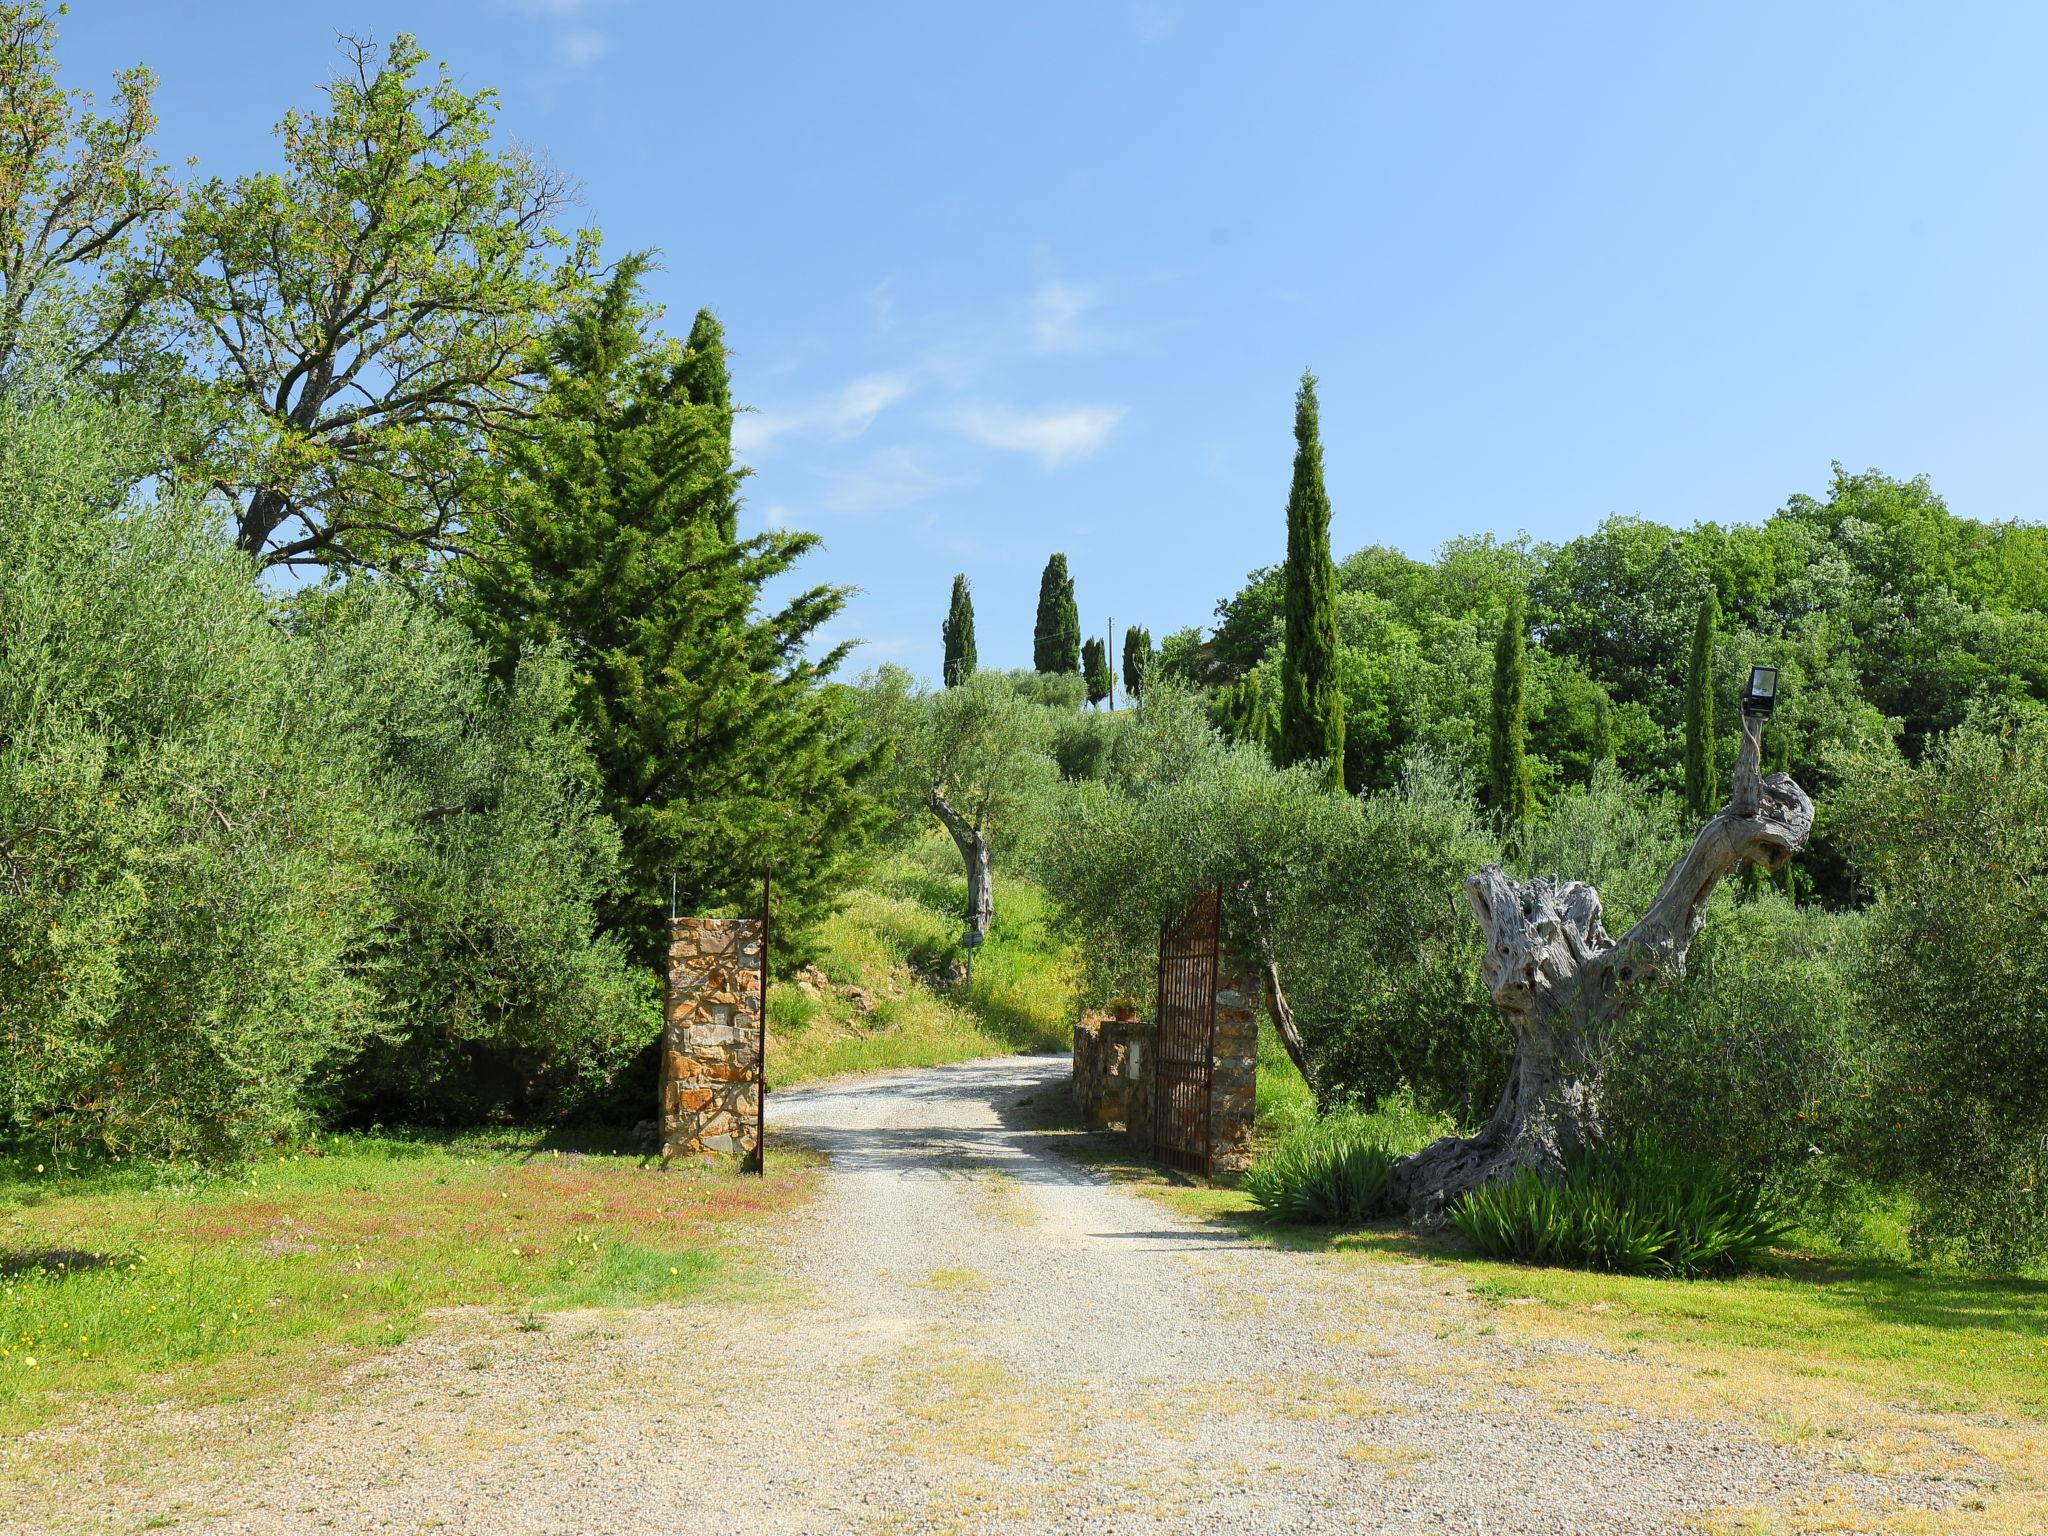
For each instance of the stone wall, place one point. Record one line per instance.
(711, 1037)
(1112, 1074)
(1115, 1089)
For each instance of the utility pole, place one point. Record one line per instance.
(1109, 635)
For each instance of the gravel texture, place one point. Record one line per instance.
(984, 1337)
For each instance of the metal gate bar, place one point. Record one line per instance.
(1184, 1060)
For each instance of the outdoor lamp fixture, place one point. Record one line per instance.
(1761, 696)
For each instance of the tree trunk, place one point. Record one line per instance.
(1290, 1035)
(981, 901)
(1562, 983)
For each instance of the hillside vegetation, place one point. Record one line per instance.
(894, 946)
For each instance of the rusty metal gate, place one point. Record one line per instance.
(1184, 1061)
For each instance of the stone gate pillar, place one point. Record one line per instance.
(711, 1037)
(1234, 1080)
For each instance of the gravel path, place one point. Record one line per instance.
(984, 1337)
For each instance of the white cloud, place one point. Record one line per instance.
(894, 477)
(841, 417)
(1056, 311)
(1055, 436)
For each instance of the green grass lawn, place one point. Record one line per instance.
(154, 1283)
(897, 939)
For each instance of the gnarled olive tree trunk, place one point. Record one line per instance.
(973, 846)
(1562, 983)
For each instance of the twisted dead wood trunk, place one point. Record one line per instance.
(1563, 983)
(973, 846)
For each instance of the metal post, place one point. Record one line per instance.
(1110, 634)
(760, 1159)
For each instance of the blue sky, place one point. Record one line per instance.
(1006, 280)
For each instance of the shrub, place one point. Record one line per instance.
(1757, 1059)
(1633, 1208)
(1328, 1171)
(186, 855)
(1955, 983)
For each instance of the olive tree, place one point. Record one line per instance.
(975, 756)
(1563, 983)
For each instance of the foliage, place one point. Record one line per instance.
(958, 634)
(1095, 672)
(1634, 1208)
(187, 853)
(1056, 635)
(1354, 899)
(1758, 1061)
(1956, 982)
(718, 750)
(363, 320)
(1332, 1170)
(982, 745)
(1181, 658)
(1311, 727)
(1508, 789)
(1702, 779)
(1139, 660)
(497, 995)
(76, 190)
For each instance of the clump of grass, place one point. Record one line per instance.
(1635, 1208)
(1333, 1170)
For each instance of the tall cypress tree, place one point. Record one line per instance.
(1702, 791)
(1139, 658)
(1056, 637)
(719, 749)
(1095, 668)
(1311, 699)
(1602, 745)
(1508, 787)
(959, 634)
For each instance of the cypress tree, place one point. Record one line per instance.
(1138, 660)
(718, 748)
(1602, 745)
(1508, 787)
(1701, 788)
(1095, 668)
(959, 634)
(1056, 637)
(1311, 700)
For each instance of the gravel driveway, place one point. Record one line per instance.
(982, 1336)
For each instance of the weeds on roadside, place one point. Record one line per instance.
(1636, 1208)
(1327, 1171)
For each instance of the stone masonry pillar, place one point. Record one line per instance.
(1234, 1088)
(711, 1037)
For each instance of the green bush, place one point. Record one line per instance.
(1955, 984)
(187, 857)
(1632, 1208)
(1758, 1059)
(1329, 1171)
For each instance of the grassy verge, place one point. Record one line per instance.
(896, 940)
(155, 1284)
